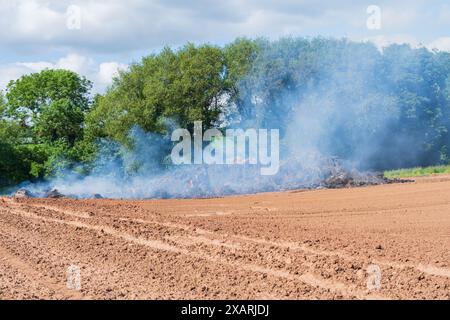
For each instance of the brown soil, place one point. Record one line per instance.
(291, 245)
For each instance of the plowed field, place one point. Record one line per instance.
(322, 244)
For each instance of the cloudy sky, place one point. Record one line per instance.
(96, 38)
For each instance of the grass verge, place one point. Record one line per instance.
(417, 172)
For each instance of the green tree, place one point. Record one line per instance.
(14, 164)
(46, 112)
(50, 105)
(183, 86)
(240, 57)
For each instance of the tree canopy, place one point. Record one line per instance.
(42, 121)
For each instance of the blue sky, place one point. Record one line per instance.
(96, 38)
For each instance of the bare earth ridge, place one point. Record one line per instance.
(289, 245)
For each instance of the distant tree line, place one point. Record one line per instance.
(390, 108)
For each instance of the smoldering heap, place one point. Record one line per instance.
(50, 194)
(25, 194)
(203, 181)
(294, 174)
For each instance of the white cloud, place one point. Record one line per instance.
(76, 63)
(118, 26)
(399, 16)
(10, 72)
(35, 18)
(36, 66)
(109, 70)
(101, 74)
(35, 33)
(441, 44)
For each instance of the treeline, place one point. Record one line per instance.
(383, 110)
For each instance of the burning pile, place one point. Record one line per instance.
(202, 181)
(339, 177)
(25, 193)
